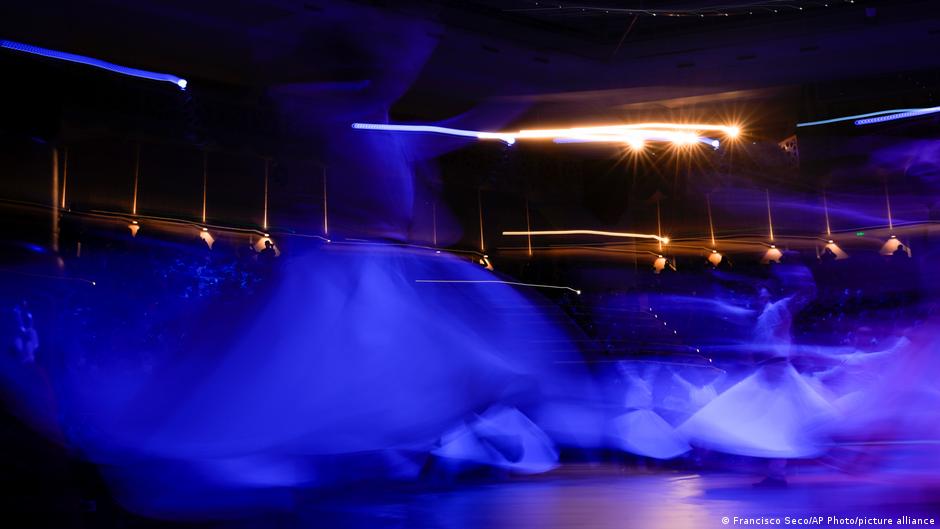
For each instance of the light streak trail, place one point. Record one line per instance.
(267, 164)
(633, 134)
(205, 181)
(875, 117)
(483, 281)
(624, 234)
(711, 225)
(899, 115)
(91, 61)
(136, 179)
(770, 219)
(528, 227)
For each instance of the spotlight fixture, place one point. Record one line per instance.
(659, 264)
(772, 255)
(836, 251)
(892, 245)
(207, 237)
(714, 258)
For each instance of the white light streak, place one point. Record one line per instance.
(482, 281)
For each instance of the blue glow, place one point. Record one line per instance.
(860, 118)
(90, 61)
(417, 128)
(901, 115)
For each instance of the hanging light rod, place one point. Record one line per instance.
(91, 61)
(633, 134)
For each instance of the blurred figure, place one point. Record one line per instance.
(25, 339)
(267, 254)
(773, 413)
(641, 430)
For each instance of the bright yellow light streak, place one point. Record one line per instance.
(711, 225)
(534, 285)
(136, 178)
(633, 137)
(205, 181)
(55, 199)
(624, 234)
(267, 164)
(770, 219)
(659, 227)
(731, 130)
(65, 175)
(826, 212)
(528, 227)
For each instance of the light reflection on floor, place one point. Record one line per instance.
(610, 500)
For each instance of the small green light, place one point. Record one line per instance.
(860, 234)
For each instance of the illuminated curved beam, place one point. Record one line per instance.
(91, 61)
(899, 115)
(484, 281)
(875, 117)
(729, 130)
(623, 234)
(635, 133)
(679, 138)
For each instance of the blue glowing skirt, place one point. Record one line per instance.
(772, 413)
(344, 354)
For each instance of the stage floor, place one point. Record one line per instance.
(609, 497)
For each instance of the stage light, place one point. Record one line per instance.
(772, 255)
(134, 227)
(260, 245)
(714, 258)
(90, 61)
(892, 245)
(834, 248)
(734, 131)
(659, 265)
(207, 237)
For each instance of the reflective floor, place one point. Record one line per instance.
(611, 497)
